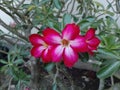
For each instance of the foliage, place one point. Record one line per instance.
(39, 14)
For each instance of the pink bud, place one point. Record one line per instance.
(27, 88)
(12, 24)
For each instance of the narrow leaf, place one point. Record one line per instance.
(18, 61)
(57, 4)
(49, 67)
(3, 61)
(67, 19)
(108, 70)
(108, 54)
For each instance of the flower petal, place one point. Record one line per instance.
(46, 56)
(51, 36)
(92, 48)
(70, 57)
(79, 44)
(36, 39)
(57, 53)
(94, 42)
(36, 51)
(90, 34)
(71, 31)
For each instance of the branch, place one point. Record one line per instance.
(12, 31)
(1, 51)
(56, 74)
(67, 6)
(8, 13)
(20, 3)
(60, 10)
(8, 40)
(110, 3)
(72, 6)
(14, 11)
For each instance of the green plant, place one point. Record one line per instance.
(39, 14)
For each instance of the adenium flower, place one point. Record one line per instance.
(91, 40)
(55, 47)
(40, 48)
(66, 45)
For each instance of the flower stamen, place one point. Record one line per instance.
(45, 45)
(65, 42)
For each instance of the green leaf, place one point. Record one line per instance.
(110, 54)
(67, 18)
(50, 24)
(57, 4)
(31, 7)
(84, 57)
(61, 26)
(108, 70)
(75, 18)
(109, 6)
(84, 24)
(4, 68)
(49, 66)
(43, 2)
(110, 13)
(99, 4)
(36, 1)
(116, 46)
(18, 61)
(90, 19)
(3, 61)
(18, 85)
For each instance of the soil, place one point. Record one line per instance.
(85, 79)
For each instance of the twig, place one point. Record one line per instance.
(8, 13)
(12, 31)
(1, 51)
(9, 87)
(11, 36)
(56, 74)
(8, 40)
(112, 6)
(60, 10)
(68, 77)
(20, 3)
(112, 80)
(67, 6)
(72, 6)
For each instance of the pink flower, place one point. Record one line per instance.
(40, 48)
(67, 45)
(91, 40)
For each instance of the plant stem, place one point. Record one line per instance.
(101, 84)
(56, 74)
(9, 87)
(112, 80)
(1, 51)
